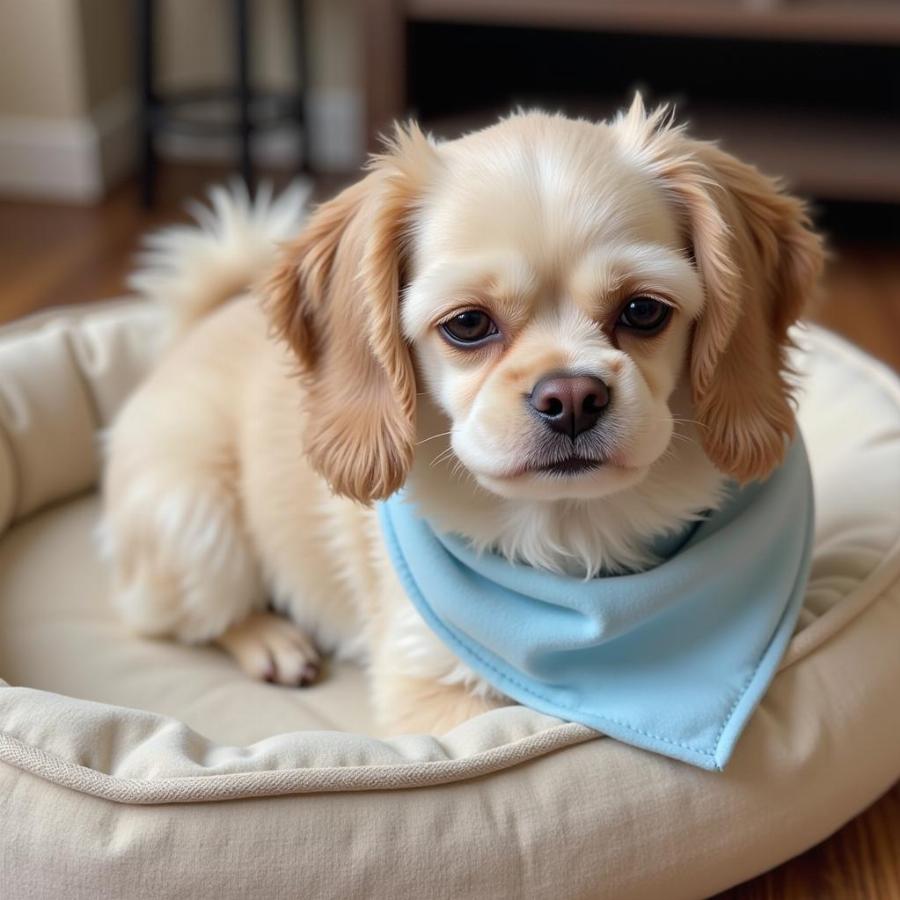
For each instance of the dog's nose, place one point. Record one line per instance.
(570, 404)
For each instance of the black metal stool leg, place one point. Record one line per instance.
(170, 110)
(245, 125)
(145, 23)
(302, 119)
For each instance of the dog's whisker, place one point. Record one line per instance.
(433, 437)
(680, 421)
(442, 457)
(458, 470)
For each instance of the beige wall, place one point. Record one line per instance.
(61, 58)
(40, 59)
(196, 43)
(107, 42)
(336, 44)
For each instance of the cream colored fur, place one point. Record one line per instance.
(240, 472)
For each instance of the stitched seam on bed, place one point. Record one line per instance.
(274, 782)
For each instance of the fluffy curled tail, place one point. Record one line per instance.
(192, 269)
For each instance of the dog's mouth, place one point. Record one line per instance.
(574, 476)
(573, 465)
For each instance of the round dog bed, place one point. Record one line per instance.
(131, 767)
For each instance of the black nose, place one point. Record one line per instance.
(570, 404)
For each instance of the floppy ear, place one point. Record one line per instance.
(335, 298)
(759, 261)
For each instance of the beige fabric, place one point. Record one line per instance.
(8, 485)
(511, 804)
(54, 618)
(595, 820)
(63, 376)
(186, 768)
(113, 352)
(46, 415)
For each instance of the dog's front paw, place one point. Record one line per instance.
(271, 648)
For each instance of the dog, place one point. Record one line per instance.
(561, 338)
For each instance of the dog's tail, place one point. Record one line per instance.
(192, 269)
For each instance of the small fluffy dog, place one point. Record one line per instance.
(561, 337)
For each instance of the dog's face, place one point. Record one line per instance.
(549, 304)
(563, 291)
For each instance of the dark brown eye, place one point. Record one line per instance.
(644, 314)
(469, 327)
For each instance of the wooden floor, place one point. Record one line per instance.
(57, 255)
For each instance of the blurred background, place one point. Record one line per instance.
(113, 113)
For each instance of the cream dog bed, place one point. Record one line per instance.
(131, 768)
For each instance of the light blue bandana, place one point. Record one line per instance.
(674, 659)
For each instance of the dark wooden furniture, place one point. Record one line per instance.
(841, 147)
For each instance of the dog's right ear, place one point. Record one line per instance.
(335, 298)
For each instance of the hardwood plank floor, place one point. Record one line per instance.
(57, 255)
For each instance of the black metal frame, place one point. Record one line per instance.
(254, 111)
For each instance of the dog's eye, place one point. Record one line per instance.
(644, 314)
(469, 327)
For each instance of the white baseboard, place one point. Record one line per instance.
(73, 160)
(78, 160)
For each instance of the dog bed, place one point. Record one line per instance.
(132, 767)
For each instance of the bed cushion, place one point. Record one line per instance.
(138, 767)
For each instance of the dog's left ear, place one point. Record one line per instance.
(335, 299)
(760, 261)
